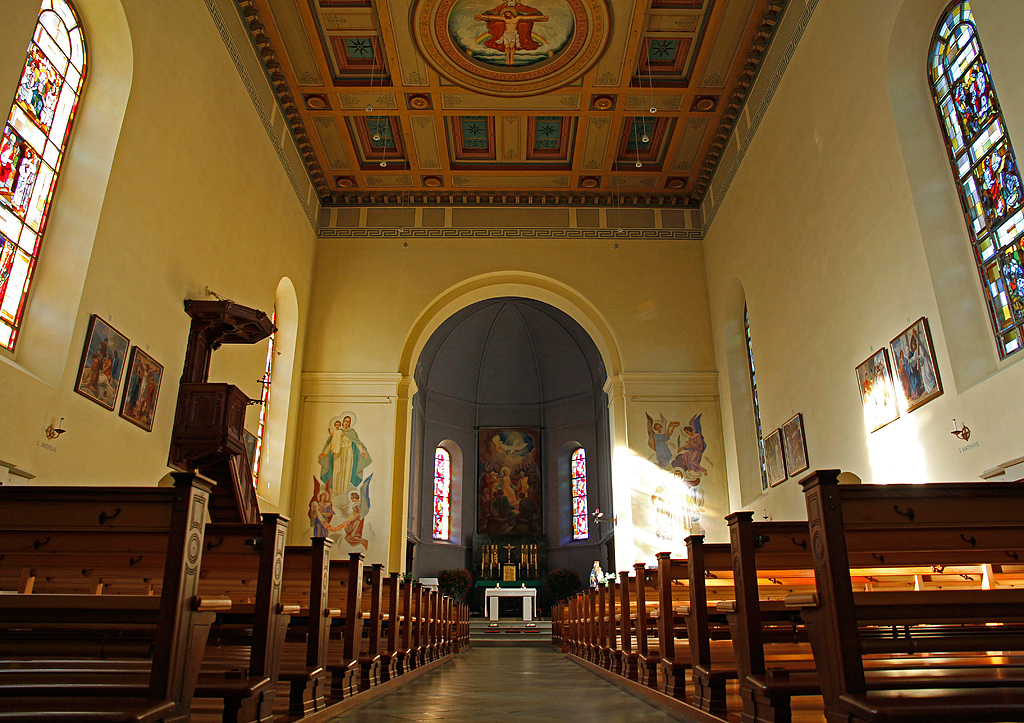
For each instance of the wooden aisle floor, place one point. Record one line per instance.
(511, 685)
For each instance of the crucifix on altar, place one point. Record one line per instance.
(509, 569)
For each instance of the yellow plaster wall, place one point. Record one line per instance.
(370, 292)
(196, 197)
(822, 232)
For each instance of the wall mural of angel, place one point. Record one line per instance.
(685, 452)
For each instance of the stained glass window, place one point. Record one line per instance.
(757, 407)
(32, 148)
(579, 495)
(265, 404)
(985, 168)
(442, 492)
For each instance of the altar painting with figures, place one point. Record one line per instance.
(509, 484)
(678, 485)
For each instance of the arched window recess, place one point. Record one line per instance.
(32, 145)
(985, 169)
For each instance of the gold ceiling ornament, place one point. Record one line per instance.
(508, 48)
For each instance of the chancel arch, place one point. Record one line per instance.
(510, 387)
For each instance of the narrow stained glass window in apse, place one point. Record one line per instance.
(580, 530)
(757, 407)
(265, 404)
(442, 492)
(32, 147)
(985, 168)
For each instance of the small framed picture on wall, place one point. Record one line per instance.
(914, 358)
(795, 445)
(877, 394)
(138, 405)
(99, 373)
(774, 458)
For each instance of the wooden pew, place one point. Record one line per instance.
(132, 656)
(245, 563)
(404, 653)
(645, 602)
(711, 654)
(628, 666)
(968, 523)
(772, 560)
(305, 584)
(391, 604)
(345, 596)
(674, 601)
(369, 656)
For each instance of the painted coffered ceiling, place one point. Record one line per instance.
(501, 101)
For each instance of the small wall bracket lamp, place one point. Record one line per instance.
(963, 432)
(52, 432)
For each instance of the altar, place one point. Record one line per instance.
(528, 594)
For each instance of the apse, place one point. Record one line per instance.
(509, 379)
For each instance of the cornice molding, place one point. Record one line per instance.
(664, 386)
(550, 233)
(365, 387)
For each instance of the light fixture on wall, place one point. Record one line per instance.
(963, 432)
(52, 432)
(600, 517)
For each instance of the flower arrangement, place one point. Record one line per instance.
(562, 584)
(454, 583)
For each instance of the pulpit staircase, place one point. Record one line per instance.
(209, 418)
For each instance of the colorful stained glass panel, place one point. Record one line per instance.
(442, 493)
(983, 160)
(32, 147)
(579, 495)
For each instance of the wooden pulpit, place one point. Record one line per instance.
(209, 418)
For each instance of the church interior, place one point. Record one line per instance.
(571, 314)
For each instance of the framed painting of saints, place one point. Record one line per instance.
(914, 358)
(138, 405)
(774, 458)
(795, 445)
(877, 395)
(509, 490)
(99, 374)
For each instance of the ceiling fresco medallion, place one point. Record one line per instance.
(510, 48)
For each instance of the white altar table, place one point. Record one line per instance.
(528, 594)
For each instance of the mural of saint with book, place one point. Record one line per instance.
(509, 489)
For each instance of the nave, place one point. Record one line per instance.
(512, 685)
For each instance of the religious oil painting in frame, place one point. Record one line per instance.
(509, 491)
(142, 389)
(795, 445)
(914, 358)
(877, 394)
(774, 458)
(99, 374)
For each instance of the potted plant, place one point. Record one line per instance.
(563, 584)
(454, 583)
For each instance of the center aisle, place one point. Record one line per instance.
(531, 685)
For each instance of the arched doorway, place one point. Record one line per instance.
(522, 375)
